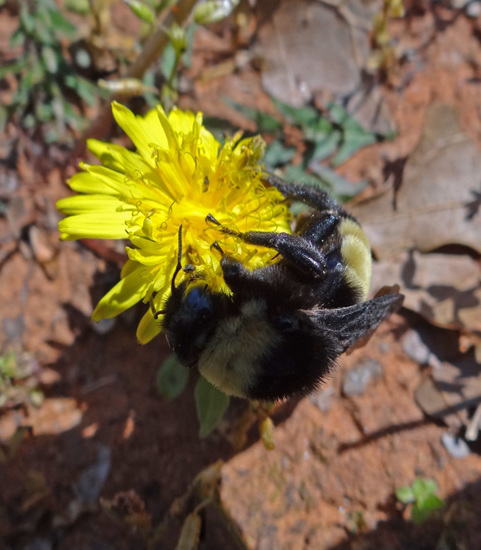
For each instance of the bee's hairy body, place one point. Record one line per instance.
(284, 326)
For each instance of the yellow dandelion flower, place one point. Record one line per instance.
(178, 175)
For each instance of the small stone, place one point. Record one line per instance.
(104, 326)
(13, 328)
(456, 446)
(415, 348)
(322, 399)
(473, 9)
(357, 378)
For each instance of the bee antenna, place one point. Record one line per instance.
(178, 267)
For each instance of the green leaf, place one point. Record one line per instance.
(211, 405)
(325, 146)
(141, 10)
(168, 60)
(172, 378)
(13, 67)
(277, 154)
(264, 122)
(303, 116)
(189, 36)
(44, 111)
(341, 188)
(431, 502)
(298, 174)
(354, 137)
(423, 487)
(162, 4)
(27, 20)
(421, 513)
(44, 33)
(18, 37)
(51, 59)
(351, 143)
(60, 23)
(88, 91)
(74, 119)
(405, 494)
(82, 7)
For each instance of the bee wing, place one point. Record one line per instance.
(349, 324)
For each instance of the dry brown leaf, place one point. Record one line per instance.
(308, 46)
(444, 288)
(438, 201)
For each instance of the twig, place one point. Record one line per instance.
(150, 53)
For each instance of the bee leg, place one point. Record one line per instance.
(240, 279)
(296, 250)
(216, 246)
(302, 252)
(312, 196)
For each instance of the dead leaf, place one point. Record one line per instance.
(453, 390)
(303, 47)
(432, 402)
(437, 202)
(444, 288)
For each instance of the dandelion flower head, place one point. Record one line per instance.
(178, 175)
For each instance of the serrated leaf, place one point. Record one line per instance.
(405, 494)
(342, 189)
(351, 143)
(298, 174)
(172, 378)
(278, 154)
(211, 405)
(264, 122)
(325, 146)
(354, 137)
(304, 116)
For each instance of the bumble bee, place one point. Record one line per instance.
(284, 326)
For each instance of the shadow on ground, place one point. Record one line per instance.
(127, 438)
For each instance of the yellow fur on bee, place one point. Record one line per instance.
(356, 253)
(232, 357)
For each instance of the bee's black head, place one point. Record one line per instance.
(189, 321)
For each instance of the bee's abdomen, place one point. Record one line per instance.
(356, 255)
